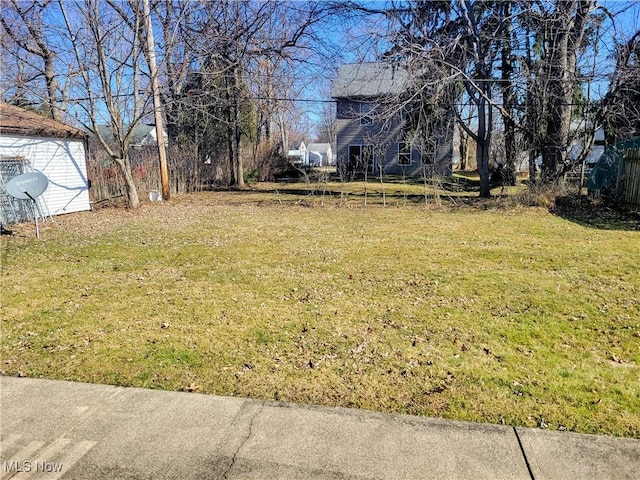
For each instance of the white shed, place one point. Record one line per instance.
(29, 142)
(300, 156)
(320, 154)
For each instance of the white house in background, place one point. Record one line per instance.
(576, 149)
(300, 156)
(147, 136)
(595, 152)
(144, 135)
(29, 142)
(320, 154)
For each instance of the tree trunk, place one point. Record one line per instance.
(229, 110)
(508, 101)
(554, 152)
(463, 149)
(483, 142)
(532, 168)
(566, 36)
(52, 84)
(560, 90)
(284, 137)
(131, 191)
(230, 143)
(237, 160)
(482, 158)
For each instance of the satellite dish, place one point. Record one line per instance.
(27, 186)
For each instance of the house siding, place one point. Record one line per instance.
(384, 135)
(381, 88)
(63, 161)
(350, 132)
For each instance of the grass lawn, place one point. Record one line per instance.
(472, 312)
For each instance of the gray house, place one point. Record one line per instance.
(371, 125)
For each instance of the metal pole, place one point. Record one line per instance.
(35, 214)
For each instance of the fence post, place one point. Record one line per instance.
(619, 193)
(631, 192)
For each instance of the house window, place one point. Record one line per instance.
(361, 157)
(355, 154)
(366, 114)
(428, 158)
(428, 152)
(404, 153)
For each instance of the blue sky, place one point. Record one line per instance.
(357, 42)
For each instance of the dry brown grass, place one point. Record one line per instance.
(480, 313)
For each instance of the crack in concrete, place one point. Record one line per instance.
(244, 440)
(524, 454)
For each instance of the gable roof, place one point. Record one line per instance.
(18, 121)
(143, 134)
(369, 80)
(319, 147)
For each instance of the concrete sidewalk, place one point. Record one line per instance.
(54, 429)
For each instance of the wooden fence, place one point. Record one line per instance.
(631, 192)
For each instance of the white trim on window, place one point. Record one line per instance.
(405, 154)
(362, 150)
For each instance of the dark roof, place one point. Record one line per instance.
(18, 121)
(369, 80)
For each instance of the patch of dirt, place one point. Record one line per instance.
(590, 213)
(181, 212)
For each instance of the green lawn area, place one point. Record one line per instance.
(471, 311)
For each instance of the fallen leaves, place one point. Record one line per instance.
(192, 388)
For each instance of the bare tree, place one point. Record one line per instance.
(483, 37)
(450, 50)
(508, 93)
(105, 44)
(619, 110)
(25, 24)
(178, 44)
(562, 33)
(327, 127)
